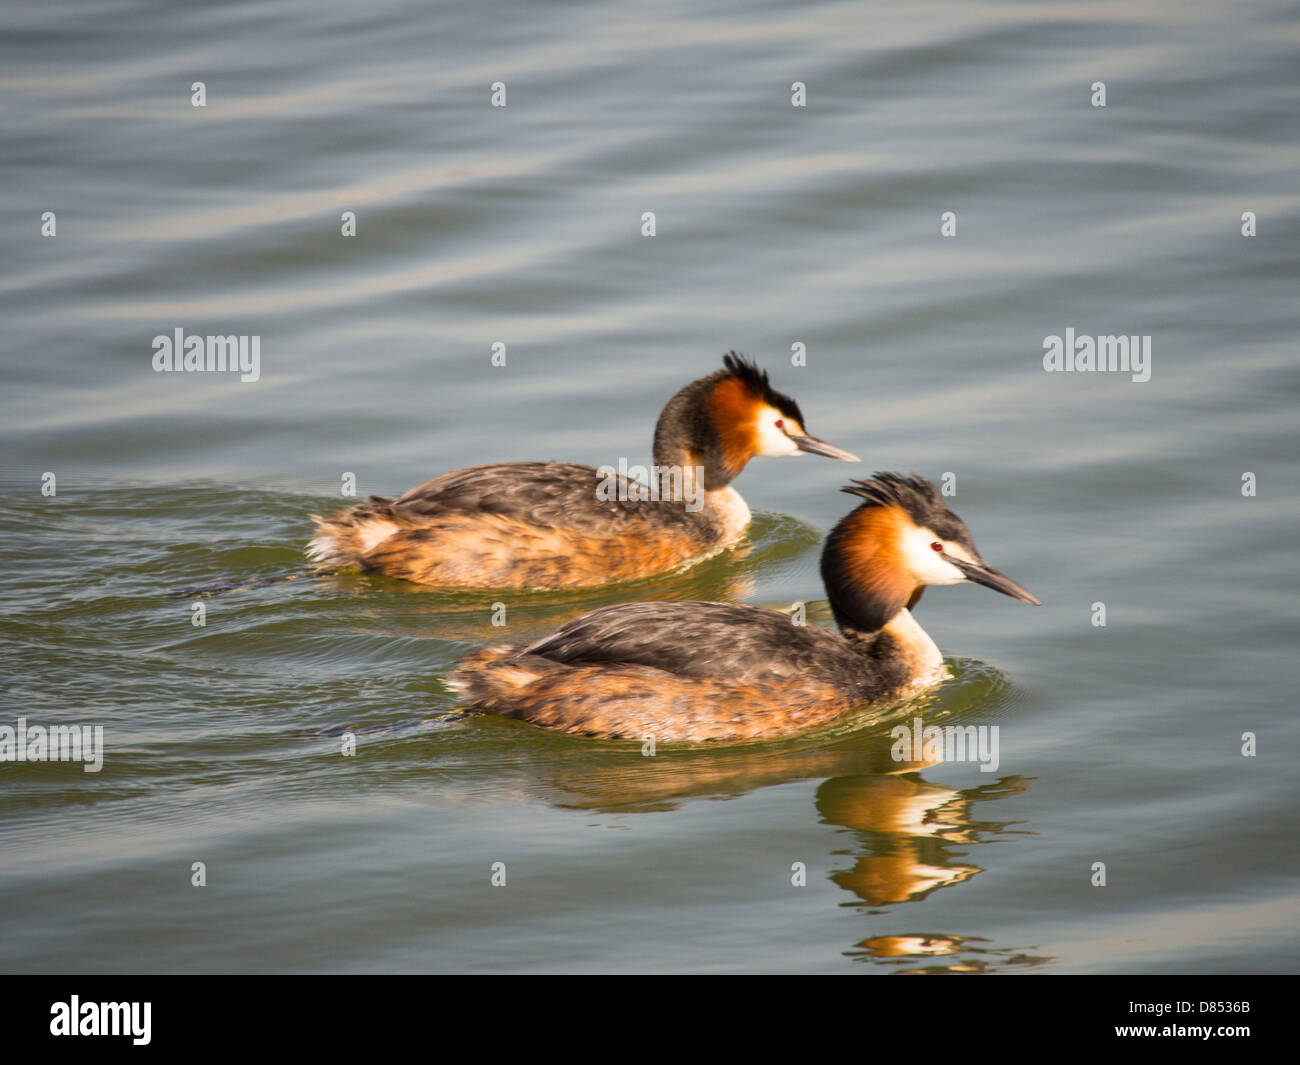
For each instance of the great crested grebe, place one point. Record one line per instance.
(561, 525)
(690, 672)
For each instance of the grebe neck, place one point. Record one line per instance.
(685, 437)
(902, 649)
(721, 508)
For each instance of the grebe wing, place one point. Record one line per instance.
(541, 493)
(696, 639)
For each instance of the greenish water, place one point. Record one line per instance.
(775, 226)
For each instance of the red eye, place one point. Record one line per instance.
(780, 424)
(936, 546)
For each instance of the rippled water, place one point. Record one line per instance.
(775, 226)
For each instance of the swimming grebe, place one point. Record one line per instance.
(689, 672)
(561, 525)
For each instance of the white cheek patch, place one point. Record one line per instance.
(771, 440)
(928, 566)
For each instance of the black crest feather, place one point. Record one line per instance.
(882, 489)
(756, 380)
(920, 498)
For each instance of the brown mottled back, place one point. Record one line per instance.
(514, 525)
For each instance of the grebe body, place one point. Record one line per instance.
(563, 525)
(698, 672)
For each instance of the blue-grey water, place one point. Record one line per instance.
(776, 226)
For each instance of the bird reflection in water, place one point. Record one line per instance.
(911, 836)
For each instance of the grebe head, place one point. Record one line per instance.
(902, 539)
(723, 420)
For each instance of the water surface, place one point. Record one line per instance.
(775, 226)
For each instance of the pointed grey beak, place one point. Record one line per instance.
(981, 573)
(819, 447)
